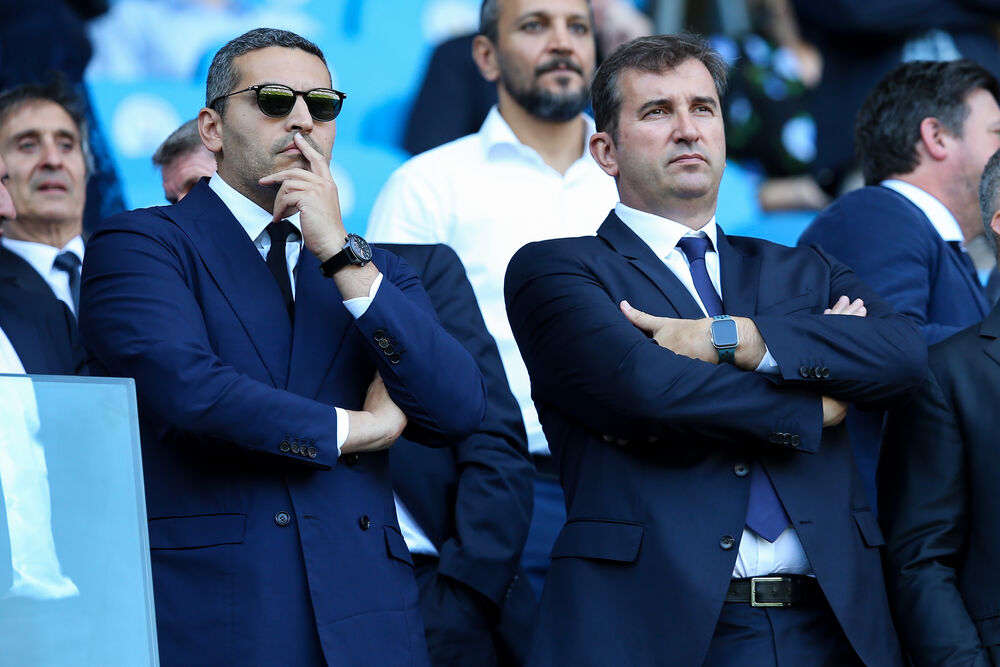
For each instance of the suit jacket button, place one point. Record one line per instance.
(379, 335)
(772, 438)
(312, 452)
(394, 358)
(284, 446)
(295, 448)
(365, 522)
(388, 350)
(825, 372)
(727, 542)
(741, 470)
(796, 440)
(282, 518)
(383, 342)
(352, 459)
(804, 371)
(786, 438)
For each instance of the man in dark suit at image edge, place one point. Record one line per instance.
(715, 511)
(274, 363)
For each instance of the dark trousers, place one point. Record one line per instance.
(807, 634)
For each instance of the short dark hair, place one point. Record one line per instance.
(489, 19)
(887, 129)
(989, 196)
(57, 91)
(656, 53)
(223, 76)
(185, 139)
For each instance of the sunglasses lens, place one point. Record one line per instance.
(324, 104)
(275, 100)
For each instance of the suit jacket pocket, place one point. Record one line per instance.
(396, 546)
(602, 539)
(802, 302)
(870, 531)
(193, 532)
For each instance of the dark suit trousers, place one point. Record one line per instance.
(806, 634)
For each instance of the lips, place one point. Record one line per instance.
(687, 158)
(52, 185)
(558, 65)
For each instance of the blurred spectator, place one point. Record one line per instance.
(183, 160)
(923, 137)
(38, 39)
(526, 175)
(939, 505)
(43, 139)
(861, 40)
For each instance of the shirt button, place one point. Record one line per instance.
(365, 522)
(727, 542)
(282, 518)
(741, 470)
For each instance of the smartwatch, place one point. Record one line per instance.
(725, 338)
(355, 251)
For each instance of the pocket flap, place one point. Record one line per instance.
(607, 540)
(396, 545)
(191, 532)
(869, 528)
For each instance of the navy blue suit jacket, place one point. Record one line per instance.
(640, 571)
(895, 249)
(16, 270)
(940, 509)
(258, 532)
(41, 328)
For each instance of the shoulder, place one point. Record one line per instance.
(859, 209)
(454, 157)
(543, 256)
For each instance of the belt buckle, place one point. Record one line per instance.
(753, 592)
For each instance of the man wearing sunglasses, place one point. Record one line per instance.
(275, 359)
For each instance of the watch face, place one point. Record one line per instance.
(724, 333)
(360, 247)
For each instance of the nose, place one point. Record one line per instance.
(684, 128)
(52, 155)
(560, 39)
(298, 118)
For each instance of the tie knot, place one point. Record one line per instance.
(280, 231)
(67, 261)
(694, 247)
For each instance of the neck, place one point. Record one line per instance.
(955, 195)
(47, 232)
(559, 144)
(692, 213)
(258, 194)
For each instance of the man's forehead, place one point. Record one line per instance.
(513, 10)
(687, 80)
(278, 64)
(36, 117)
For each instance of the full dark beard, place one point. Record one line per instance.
(558, 107)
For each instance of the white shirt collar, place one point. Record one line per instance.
(251, 217)
(662, 234)
(939, 215)
(42, 256)
(496, 133)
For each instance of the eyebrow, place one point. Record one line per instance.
(541, 13)
(35, 132)
(669, 102)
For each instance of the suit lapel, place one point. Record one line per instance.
(964, 266)
(25, 338)
(321, 323)
(626, 243)
(739, 277)
(990, 331)
(243, 278)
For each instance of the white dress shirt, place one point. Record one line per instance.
(254, 221)
(42, 257)
(939, 215)
(486, 195)
(9, 361)
(756, 557)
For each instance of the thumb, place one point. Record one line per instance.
(642, 321)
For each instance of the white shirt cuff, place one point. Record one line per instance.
(357, 306)
(767, 365)
(343, 428)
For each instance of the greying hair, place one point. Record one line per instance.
(989, 197)
(185, 139)
(57, 91)
(887, 129)
(655, 54)
(223, 76)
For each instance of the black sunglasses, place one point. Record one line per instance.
(276, 100)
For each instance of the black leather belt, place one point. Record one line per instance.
(777, 591)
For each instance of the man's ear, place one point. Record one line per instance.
(484, 52)
(210, 129)
(995, 223)
(602, 148)
(934, 138)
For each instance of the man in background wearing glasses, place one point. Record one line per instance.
(275, 358)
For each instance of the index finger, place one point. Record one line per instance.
(317, 163)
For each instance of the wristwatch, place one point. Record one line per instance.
(725, 338)
(355, 251)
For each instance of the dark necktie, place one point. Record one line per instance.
(965, 260)
(279, 231)
(70, 263)
(765, 515)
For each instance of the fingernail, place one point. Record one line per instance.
(626, 306)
